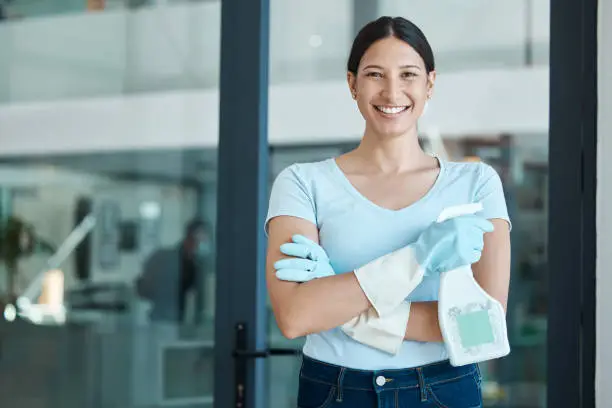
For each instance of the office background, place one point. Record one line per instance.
(112, 108)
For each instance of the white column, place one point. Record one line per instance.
(603, 380)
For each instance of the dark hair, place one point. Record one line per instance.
(384, 27)
(195, 225)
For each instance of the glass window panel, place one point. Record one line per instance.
(99, 189)
(490, 104)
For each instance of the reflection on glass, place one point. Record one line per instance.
(309, 42)
(481, 34)
(76, 50)
(135, 287)
(19, 10)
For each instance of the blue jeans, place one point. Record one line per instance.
(437, 385)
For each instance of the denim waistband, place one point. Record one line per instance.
(349, 378)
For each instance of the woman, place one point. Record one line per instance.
(354, 251)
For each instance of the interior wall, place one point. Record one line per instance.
(604, 218)
(474, 102)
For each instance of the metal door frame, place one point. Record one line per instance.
(243, 186)
(242, 201)
(572, 192)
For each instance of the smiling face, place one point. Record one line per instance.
(391, 87)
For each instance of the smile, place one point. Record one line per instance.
(391, 110)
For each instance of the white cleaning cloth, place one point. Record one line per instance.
(384, 333)
(388, 280)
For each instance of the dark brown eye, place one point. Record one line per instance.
(409, 75)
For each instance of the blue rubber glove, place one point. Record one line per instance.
(309, 261)
(448, 245)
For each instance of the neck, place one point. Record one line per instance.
(392, 154)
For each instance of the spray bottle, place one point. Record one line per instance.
(472, 322)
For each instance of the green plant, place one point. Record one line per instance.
(16, 240)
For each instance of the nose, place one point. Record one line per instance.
(392, 89)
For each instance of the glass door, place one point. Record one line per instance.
(490, 104)
(108, 182)
(119, 279)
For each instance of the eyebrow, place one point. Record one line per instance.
(381, 68)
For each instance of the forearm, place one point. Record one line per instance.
(412, 321)
(423, 324)
(321, 304)
(381, 284)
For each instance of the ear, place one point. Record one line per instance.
(352, 83)
(431, 80)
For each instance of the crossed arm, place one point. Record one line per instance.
(315, 306)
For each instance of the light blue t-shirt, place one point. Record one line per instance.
(354, 231)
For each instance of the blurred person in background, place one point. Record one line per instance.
(337, 228)
(170, 275)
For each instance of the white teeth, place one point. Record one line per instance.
(391, 109)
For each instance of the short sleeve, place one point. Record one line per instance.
(290, 196)
(490, 193)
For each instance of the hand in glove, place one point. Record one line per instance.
(309, 261)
